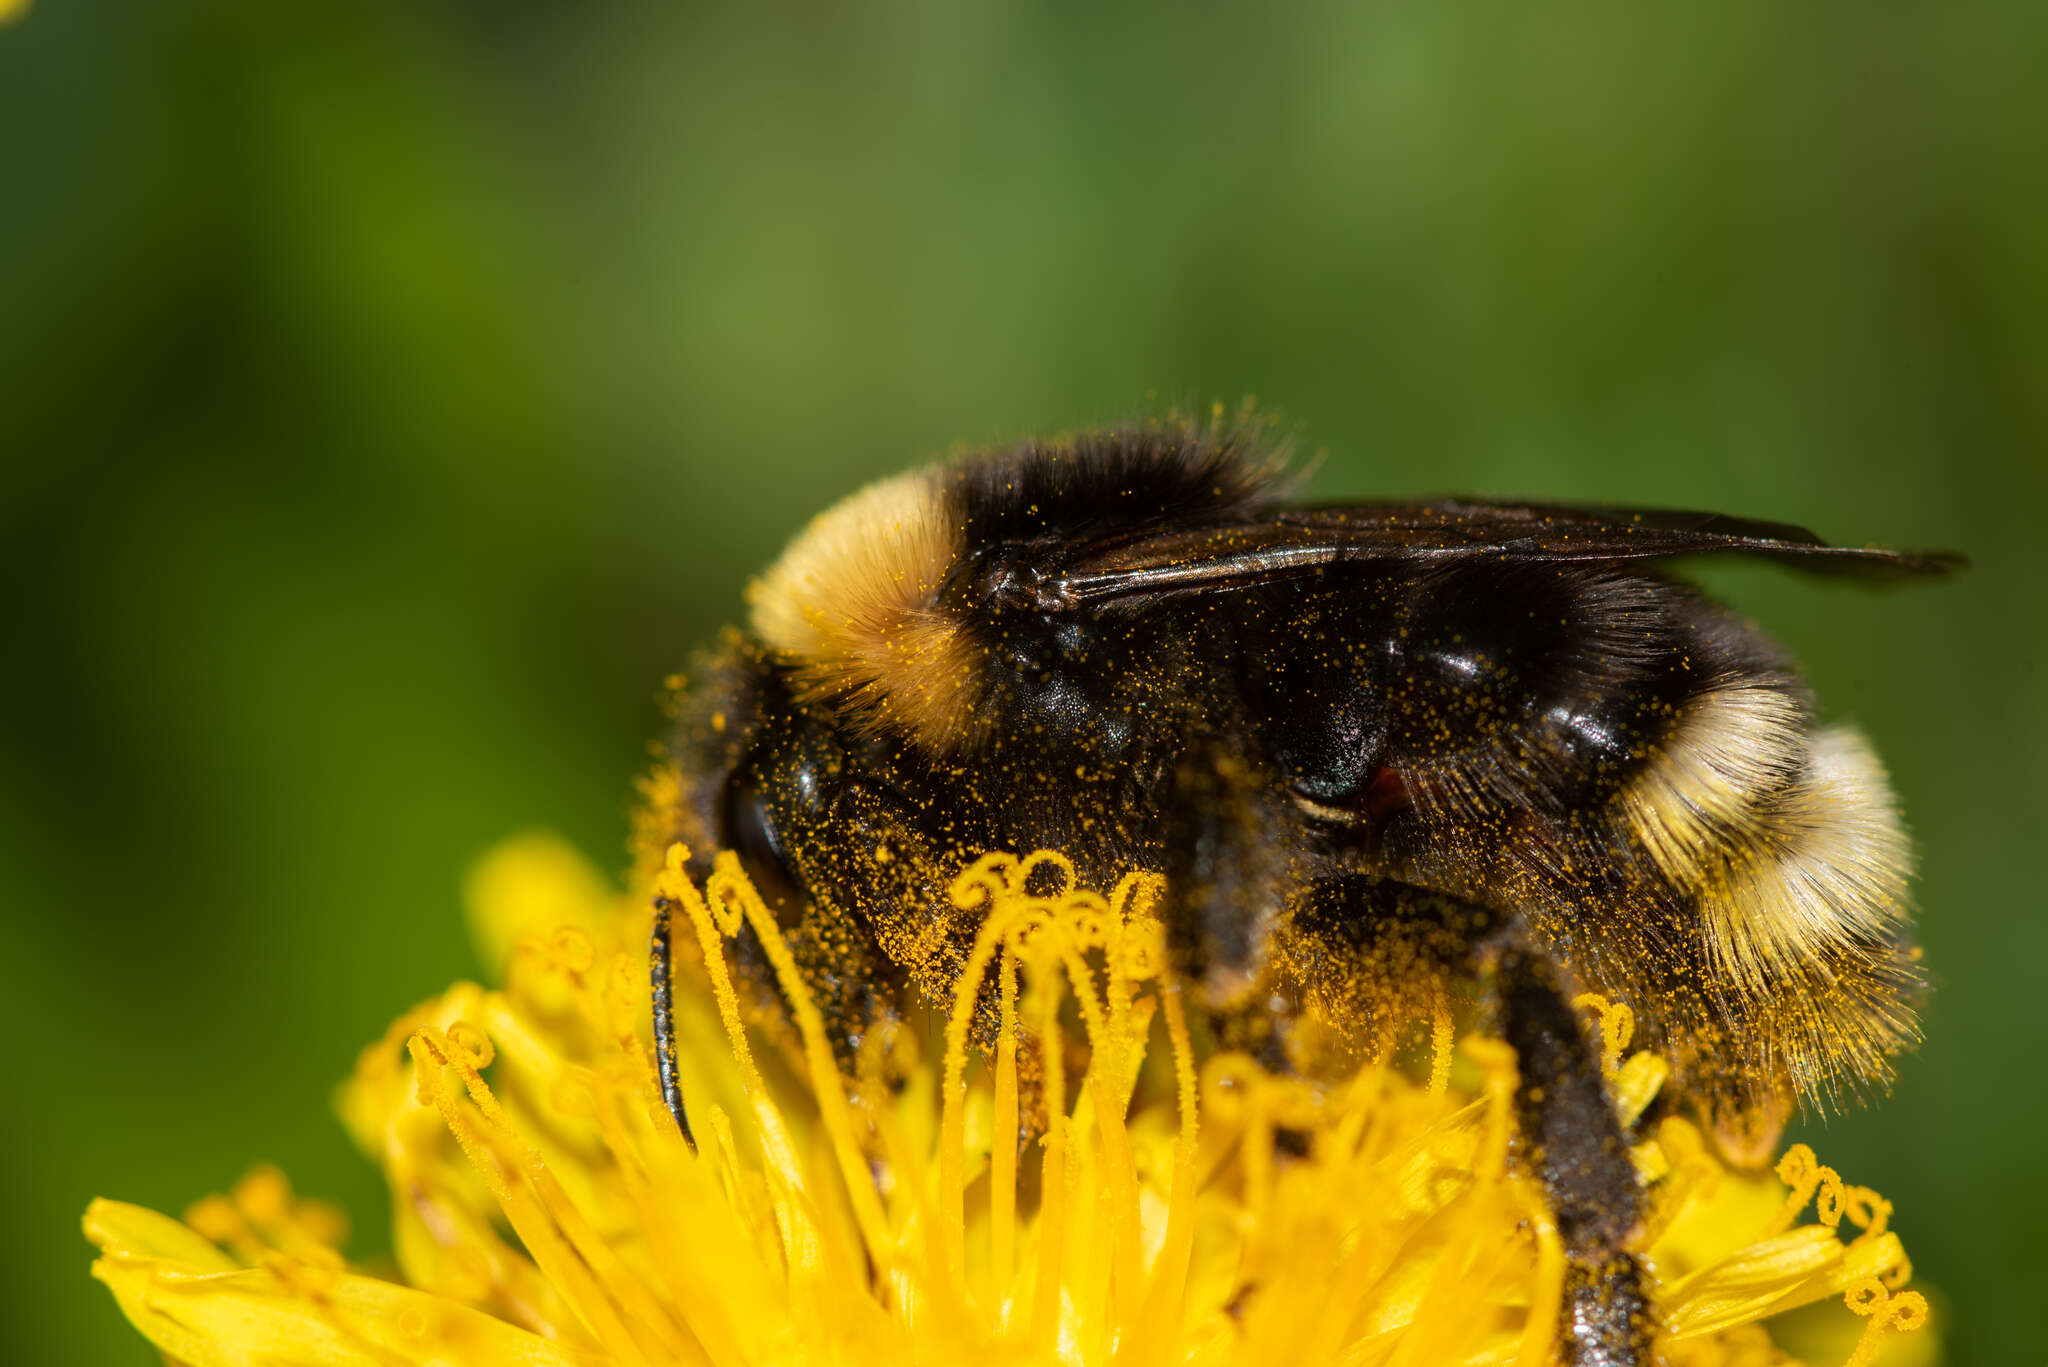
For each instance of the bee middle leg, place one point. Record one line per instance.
(1579, 1151)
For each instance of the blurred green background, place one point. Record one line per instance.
(393, 393)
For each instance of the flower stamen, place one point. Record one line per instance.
(1185, 1209)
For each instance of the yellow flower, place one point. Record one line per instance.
(547, 1210)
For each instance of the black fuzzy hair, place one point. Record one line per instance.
(1120, 480)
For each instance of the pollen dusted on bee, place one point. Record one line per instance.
(1389, 758)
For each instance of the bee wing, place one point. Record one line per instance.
(1304, 539)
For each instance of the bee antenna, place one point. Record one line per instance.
(660, 953)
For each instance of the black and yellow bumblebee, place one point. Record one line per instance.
(1378, 750)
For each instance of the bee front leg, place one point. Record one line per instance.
(1579, 1151)
(661, 981)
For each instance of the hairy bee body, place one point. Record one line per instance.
(1380, 751)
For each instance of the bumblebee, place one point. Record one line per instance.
(1380, 751)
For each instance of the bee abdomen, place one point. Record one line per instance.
(1787, 843)
(1707, 795)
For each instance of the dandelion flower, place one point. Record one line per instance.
(548, 1210)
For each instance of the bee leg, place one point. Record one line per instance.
(1227, 879)
(1580, 1153)
(661, 980)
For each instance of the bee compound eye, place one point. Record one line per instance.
(750, 833)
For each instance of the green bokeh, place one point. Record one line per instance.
(392, 394)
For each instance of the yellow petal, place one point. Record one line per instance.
(1743, 1287)
(194, 1302)
(124, 1231)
